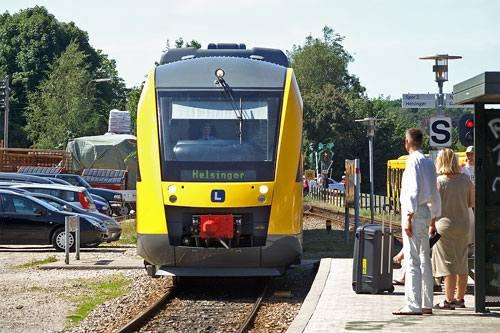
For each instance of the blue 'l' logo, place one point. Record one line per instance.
(218, 195)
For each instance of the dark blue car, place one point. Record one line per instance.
(27, 220)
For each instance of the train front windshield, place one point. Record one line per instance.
(210, 137)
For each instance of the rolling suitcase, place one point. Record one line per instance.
(372, 260)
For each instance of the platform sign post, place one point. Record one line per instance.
(352, 193)
(440, 131)
(71, 224)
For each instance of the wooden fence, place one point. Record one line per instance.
(337, 198)
(13, 158)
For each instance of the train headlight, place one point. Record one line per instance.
(262, 199)
(172, 189)
(263, 189)
(219, 73)
(173, 199)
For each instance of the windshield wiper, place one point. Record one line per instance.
(227, 93)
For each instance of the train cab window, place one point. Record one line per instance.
(211, 132)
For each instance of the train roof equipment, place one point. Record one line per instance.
(274, 56)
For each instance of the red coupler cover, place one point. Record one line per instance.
(217, 226)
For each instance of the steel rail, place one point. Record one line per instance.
(253, 312)
(135, 323)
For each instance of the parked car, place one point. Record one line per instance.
(23, 178)
(114, 228)
(332, 184)
(76, 195)
(28, 220)
(114, 198)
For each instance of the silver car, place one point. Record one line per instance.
(76, 195)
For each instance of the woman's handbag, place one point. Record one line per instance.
(434, 238)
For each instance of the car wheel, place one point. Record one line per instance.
(124, 210)
(59, 240)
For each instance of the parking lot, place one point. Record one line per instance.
(35, 300)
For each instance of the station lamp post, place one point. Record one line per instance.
(370, 133)
(440, 69)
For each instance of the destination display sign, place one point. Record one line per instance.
(218, 175)
(419, 101)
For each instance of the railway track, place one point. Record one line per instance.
(202, 305)
(338, 218)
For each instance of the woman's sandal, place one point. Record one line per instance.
(459, 303)
(446, 305)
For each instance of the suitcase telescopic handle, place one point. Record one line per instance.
(391, 214)
(383, 237)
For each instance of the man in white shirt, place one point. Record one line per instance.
(420, 204)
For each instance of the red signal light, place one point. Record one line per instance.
(469, 124)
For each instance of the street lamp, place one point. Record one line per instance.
(370, 133)
(440, 68)
(107, 79)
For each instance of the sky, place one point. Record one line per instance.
(385, 37)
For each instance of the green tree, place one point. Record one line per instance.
(323, 61)
(134, 94)
(30, 41)
(334, 99)
(60, 109)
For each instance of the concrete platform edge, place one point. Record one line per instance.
(309, 306)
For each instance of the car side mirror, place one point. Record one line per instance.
(39, 212)
(67, 208)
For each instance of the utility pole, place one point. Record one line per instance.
(6, 121)
(5, 86)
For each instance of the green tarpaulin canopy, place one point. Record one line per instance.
(106, 152)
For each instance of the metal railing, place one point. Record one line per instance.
(337, 198)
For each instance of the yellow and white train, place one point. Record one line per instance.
(219, 189)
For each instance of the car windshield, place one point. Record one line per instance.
(83, 182)
(74, 180)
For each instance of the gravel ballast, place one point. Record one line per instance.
(35, 300)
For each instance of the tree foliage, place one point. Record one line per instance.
(134, 94)
(60, 109)
(323, 61)
(30, 41)
(333, 101)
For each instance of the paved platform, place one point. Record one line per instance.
(332, 306)
(95, 264)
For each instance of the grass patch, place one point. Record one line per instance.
(129, 233)
(96, 293)
(34, 263)
(319, 243)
